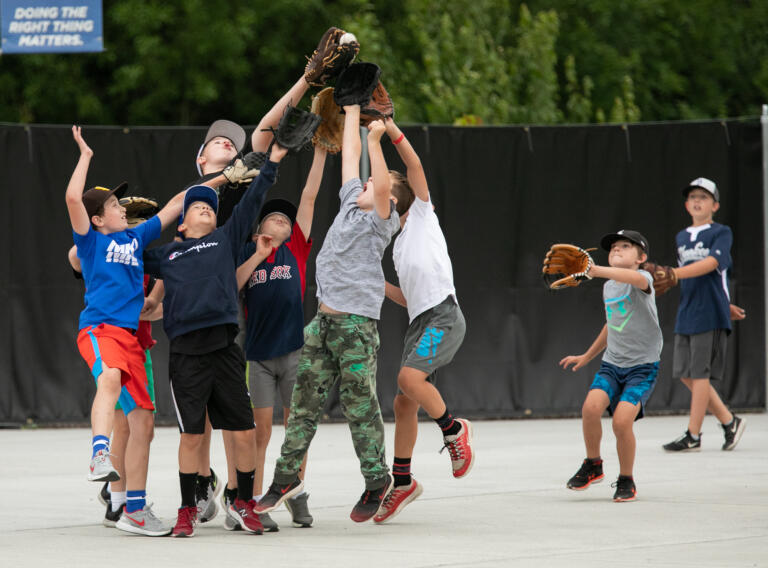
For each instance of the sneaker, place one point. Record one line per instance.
(590, 472)
(205, 497)
(244, 514)
(684, 443)
(111, 517)
(625, 489)
(277, 494)
(733, 432)
(185, 522)
(143, 522)
(102, 468)
(396, 500)
(460, 448)
(370, 502)
(300, 516)
(104, 494)
(268, 523)
(229, 523)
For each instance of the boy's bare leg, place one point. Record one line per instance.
(189, 452)
(141, 423)
(118, 445)
(406, 425)
(245, 449)
(415, 386)
(262, 417)
(623, 420)
(103, 408)
(260, 140)
(204, 466)
(229, 452)
(591, 413)
(715, 404)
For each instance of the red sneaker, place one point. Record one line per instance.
(396, 500)
(244, 515)
(460, 448)
(185, 522)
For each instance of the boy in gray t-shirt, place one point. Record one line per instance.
(342, 340)
(632, 341)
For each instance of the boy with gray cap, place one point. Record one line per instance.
(632, 342)
(704, 315)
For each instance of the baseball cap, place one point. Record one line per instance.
(95, 197)
(632, 236)
(200, 193)
(226, 128)
(705, 184)
(278, 206)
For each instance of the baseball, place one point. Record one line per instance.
(347, 38)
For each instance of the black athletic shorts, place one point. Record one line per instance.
(214, 381)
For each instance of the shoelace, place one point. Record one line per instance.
(391, 496)
(454, 448)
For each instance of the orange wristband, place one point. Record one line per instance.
(400, 139)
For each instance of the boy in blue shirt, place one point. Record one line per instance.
(110, 256)
(704, 316)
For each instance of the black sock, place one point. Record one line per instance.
(447, 424)
(629, 477)
(595, 461)
(245, 484)
(230, 494)
(188, 483)
(401, 470)
(204, 481)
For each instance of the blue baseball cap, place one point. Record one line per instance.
(200, 193)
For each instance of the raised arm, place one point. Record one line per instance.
(262, 136)
(78, 216)
(263, 250)
(414, 170)
(351, 146)
(172, 210)
(626, 275)
(578, 361)
(379, 172)
(306, 210)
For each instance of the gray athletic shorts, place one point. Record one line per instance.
(265, 378)
(700, 356)
(434, 337)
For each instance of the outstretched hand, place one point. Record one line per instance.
(578, 361)
(78, 136)
(263, 245)
(277, 153)
(375, 129)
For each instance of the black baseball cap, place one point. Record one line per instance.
(94, 198)
(278, 206)
(632, 236)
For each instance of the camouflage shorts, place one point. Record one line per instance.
(337, 347)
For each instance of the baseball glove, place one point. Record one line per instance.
(330, 132)
(296, 129)
(243, 170)
(356, 84)
(379, 106)
(139, 207)
(336, 50)
(664, 277)
(570, 261)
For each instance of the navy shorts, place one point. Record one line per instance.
(631, 384)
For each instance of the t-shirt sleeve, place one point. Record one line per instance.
(299, 245)
(349, 192)
(649, 278)
(420, 208)
(85, 243)
(389, 226)
(149, 230)
(246, 252)
(721, 249)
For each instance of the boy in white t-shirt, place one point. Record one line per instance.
(435, 332)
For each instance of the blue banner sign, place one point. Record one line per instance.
(51, 26)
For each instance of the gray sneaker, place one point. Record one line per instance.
(299, 511)
(269, 523)
(102, 468)
(143, 522)
(229, 523)
(205, 497)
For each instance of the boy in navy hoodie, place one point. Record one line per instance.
(206, 366)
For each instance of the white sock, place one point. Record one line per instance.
(303, 491)
(257, 497)
(117, 498)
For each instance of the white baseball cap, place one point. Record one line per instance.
(705, 184)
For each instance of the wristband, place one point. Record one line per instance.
(400, 139)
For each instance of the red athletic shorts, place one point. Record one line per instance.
(117, 348)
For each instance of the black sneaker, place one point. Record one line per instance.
(104, 494)
(111, 517)
(684, 443)
(370, 502)
(591, 471)
(277, 494)
(625, 489)
(733, 432)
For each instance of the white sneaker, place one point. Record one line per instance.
(143, 522)
(102, 468)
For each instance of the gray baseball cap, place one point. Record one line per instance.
(705, 184)
(227, 129)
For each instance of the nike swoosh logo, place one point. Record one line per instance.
(284, 491)
(141, 524)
